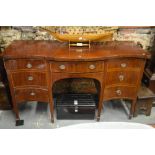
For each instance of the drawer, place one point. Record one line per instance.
(29, 78)
(122, 77)
(124, 63)
(25, 64)
(120, 92)
(77, 67)
(31, 94)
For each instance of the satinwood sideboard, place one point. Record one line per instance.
(34, 66)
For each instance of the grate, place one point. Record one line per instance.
(75, 106)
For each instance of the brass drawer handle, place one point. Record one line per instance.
(62, 67)
(121, 77)
(123, 65)
(32, 94)
(118, 92)
(92, 66)
(29, 65)
(30, 78)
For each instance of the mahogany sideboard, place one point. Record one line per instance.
(34, 66)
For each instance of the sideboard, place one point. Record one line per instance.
(34, 66)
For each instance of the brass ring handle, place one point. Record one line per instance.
(30, 78)
(29, 65)
(118, 92)
(62, 67)
(32, 94)
(92, 66)
(123, 65)
(121, 77)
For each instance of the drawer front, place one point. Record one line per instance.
(77, 67)
(22, 95)
(29, 78)
(120, 92)
(124, 63)
(25, 64)
(122, 77)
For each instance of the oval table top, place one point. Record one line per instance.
(108, 125)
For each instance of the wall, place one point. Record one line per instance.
(8, 34)
(143, 35)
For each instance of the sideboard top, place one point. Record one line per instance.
(59, 51)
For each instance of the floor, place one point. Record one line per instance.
(37, 116)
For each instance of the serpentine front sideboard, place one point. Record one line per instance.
(34, 66)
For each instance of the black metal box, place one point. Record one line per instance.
(75, 106)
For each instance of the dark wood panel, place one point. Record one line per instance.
(122, 77)
(29, 79)
(31, 94)
(124, 63)
(25, 64)
(117, 92)
(58, 76)
(78, 67)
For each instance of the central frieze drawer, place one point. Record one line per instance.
(124, 63)
(76, 67)
(25, 64)
(29, 78)
(122, 77)
(120, 92)
(31, 94)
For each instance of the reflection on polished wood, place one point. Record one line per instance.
(117, 66)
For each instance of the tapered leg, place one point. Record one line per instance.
(136, 112)
(51, 104)
(14, 103)
(149, 107)
(100, 101)
(15, 108)
(50, 93)
(133, 108)
(19, 122)
(52, 112)
(100, 104)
